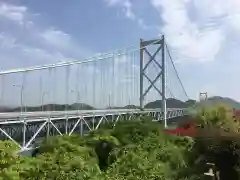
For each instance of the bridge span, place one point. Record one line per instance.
(25, 128)
(143, 77)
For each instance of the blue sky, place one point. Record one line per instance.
(203, 36)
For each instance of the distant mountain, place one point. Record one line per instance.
(124, 107)
(81, 106)
(50, 107)
(190, 103)
(4, 109)
(210, 102)
(215, 100)
(171, 103)
(131, 107)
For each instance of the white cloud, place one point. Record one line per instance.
(189, 29)
(15, 55)
(127, 8)
(234, 21)
(56, 37)
(217, 7)
(142, 24)
(24, 45)
(15, 13)
(6, 41)
(60, 41)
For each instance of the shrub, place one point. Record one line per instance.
(138, 149)
(218, 140)
(8, 154)
(130, 132)
(156, 157)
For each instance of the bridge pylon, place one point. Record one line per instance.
(161, 75)
(203, 96)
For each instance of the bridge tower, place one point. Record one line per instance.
(203, 96)
(160, 43)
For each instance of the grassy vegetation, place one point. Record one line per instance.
(133, 150)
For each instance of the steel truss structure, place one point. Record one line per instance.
(160, 43)
(26, 131)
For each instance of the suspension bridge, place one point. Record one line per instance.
(78, 96)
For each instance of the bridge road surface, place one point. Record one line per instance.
(44, 114)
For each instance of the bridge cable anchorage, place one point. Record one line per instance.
(168, 52)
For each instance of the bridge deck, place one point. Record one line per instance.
(24, 128)
(44, 114)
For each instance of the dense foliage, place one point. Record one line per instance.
(132, 150)
(218, 140)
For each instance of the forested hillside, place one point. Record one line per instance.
(171, 103)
